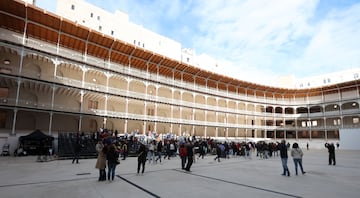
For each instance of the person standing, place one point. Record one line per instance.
(307, 146)
(99, 146)
(183, 155)
(112, 158)
(124, 149)
(77, 149)
(101, 163)
(284, 157)
(331, 150)
(142, 154)
(297, 155)
(190, 155)
(151, 153)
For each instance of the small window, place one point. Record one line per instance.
(98, 18)
(112, 32)
(93, 104)
(356, 76)
(308, 123)
(134, 42)
(73, 7)
(355, 120)
(188, 59)
(303, 124)
(314, 123)
(92, 15)
(100, 28)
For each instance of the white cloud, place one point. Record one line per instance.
(254, 37)
(335, 43)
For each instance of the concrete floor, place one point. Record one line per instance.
(24, 177)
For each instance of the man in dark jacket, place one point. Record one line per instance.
(141, 153)
(331, 150)
(284, 157)
(190, 155)
(77, 149)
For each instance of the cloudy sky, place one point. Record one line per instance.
(254, 40)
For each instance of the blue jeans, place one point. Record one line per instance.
(284, 165)
(111, 171)
(159, 156)
(298, 162)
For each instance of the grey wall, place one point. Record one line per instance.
(350, 139)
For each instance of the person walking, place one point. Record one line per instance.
(202, 148)
(112, 158)
(331, 150)
(218, 152)
(141, 154)
(190, 155)
(283, 148)
(159, 149)
(101, 163)
(297, 155)
(167, 149)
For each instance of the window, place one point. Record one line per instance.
(303, 124)
(188, 59)
(93, 104)
(73, 7)
(150, 112)
(355, 120)
(314, 123)
(92, 15)
(112, 32)
(100, 28)
(98, 18)
(337, 122)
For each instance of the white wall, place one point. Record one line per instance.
(350, 139)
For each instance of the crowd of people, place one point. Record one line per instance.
(110, 149)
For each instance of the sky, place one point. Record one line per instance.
(254, 40)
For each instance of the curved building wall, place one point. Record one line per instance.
(47, 86)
